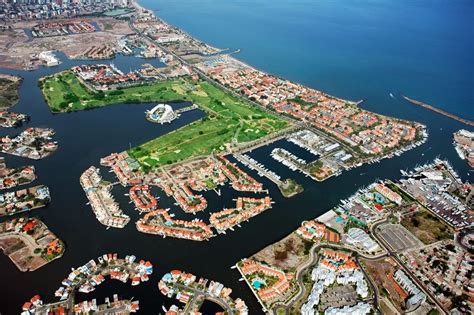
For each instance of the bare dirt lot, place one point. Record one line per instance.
(286, 254)
(16, 48)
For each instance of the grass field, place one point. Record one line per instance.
(228, 119)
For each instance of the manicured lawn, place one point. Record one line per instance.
(228, 118)
(65, 93)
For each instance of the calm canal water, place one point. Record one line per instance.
(85, 137)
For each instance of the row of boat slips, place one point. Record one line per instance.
(241, 181)
(464, 144)
(219, 169)
(438, 187)
(173, 182)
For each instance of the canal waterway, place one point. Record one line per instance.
(84, 137)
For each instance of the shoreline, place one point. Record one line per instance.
(136, 2)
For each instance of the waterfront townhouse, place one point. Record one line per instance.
(241, 181)
(311, 230)
(246, 208)
(104, 77)
(269, 293)
(142, 198)
(388, 193)
(337, 117)
(160, 222)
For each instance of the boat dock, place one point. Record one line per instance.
(254, 165)
(186, 109)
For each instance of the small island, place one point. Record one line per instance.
(29, 243)
(290, 188)
(12, 177)
(24, 200)
(32, 143)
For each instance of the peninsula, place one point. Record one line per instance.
(24, 200)
(12, 177)
(245, 109)
(32, 143)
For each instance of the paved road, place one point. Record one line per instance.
(320, 133)
(197, 293)
(413, 277)
(312, 260)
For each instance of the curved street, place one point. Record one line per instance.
(381, 241)
(312, 260)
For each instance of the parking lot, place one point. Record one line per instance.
(398, 237)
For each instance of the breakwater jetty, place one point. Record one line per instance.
(439, 111)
